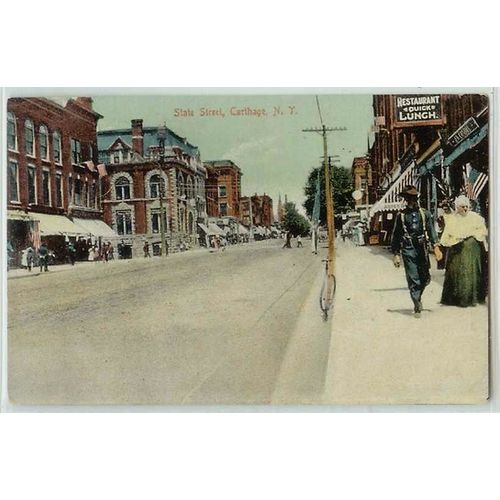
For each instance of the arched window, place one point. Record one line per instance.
(29, 137)
(122, 188)
(11, 131)
(56, 146)
(154, 186)
(44, 142)
(181, 187)
(189, 190)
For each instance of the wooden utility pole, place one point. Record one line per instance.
(330, 209)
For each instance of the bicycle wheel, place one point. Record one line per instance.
(325, 298)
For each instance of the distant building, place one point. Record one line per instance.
(362, 179)
(134, 184)
(224, 188)
(53, 188)
(261, 210)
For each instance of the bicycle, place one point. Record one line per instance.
(328, 289)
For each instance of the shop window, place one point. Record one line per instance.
(122, 188)
(29, 137)
(44, 142)
(11, 132)
(123, 223)
(13, 181)
(32, 185)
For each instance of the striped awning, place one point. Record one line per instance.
(391, 199)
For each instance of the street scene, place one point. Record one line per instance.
(248, 250)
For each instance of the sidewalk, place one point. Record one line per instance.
(380, 353)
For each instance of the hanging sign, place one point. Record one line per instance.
(418, 110)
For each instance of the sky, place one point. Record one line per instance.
(262, 134)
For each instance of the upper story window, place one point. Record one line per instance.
(122, 188)
(222, 191)
(46, 187)
(189, 189)
(56, 140)
(155, 185)
(181, 186)
(44, 142)
(90, 151)
(29, 137)
(76, 151)
(13, 181)
(59, 195)
(11, 131)
(31, 184)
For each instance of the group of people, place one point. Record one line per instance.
(29, 256)
(104, 253)
(288, 240)
(463, 237)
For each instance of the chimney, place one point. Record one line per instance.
(137, 137)
(85, 102)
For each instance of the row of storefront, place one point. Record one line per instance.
(451, 165)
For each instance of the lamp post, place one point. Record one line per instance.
(162, 133)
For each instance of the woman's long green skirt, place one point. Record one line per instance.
(464, 284)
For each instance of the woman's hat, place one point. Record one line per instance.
(409, 191)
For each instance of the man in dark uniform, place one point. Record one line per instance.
(413, 231)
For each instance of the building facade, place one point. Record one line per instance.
(53, 185)
(150, 169)
(224, 188)
(257, 210)
(437, 142)
(362, 180)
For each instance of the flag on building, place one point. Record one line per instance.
(475, 183)
(101, 168)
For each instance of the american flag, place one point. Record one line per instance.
(475, 183)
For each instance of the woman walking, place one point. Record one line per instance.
(464, 235)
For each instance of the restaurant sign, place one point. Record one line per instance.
(463, 132)
(418, 110)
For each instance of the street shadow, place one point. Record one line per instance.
(406, 312)
(389, 289)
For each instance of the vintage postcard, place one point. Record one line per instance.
(292, 249)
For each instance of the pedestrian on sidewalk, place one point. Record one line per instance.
(72, 253)
(43, 257)
(145, 249)
(299, 241)
(288, 240)
(27, 257)
(465, 237)
(413, 232)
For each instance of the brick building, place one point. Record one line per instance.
(362, 179)
(261, 212)
(223, 188)
(52, 193)
(437, 142)
(137, 174)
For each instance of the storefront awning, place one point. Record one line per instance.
(215, 229)
(51, 225)
(19, 215)
(391, 200)
(94, 227)
(467, 144)
(242, 229)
